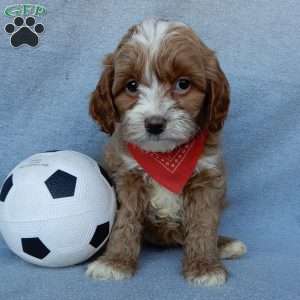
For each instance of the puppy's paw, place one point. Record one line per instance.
(205, 274)
(232, 250)
(105, 270)
(213, 278)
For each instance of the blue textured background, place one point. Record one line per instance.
(43, 105)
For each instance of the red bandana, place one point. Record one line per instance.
(171, 169)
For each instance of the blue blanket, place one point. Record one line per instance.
(43, 105)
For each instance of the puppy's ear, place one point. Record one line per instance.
(102, 107)
(217, 95)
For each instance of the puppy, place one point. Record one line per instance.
(162, 92)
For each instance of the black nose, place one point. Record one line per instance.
(155, 125)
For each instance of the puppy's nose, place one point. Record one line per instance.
(155, 124)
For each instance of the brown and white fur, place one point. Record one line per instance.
(157, 54)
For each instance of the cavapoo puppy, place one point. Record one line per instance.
(163, 98)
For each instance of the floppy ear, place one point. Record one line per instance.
(217, 95)
(102, 107)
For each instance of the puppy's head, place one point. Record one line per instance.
(160, 87)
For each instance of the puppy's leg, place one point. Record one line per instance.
(203, 198)
(166, 234)
(121, 256)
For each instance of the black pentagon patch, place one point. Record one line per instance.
(34, 247)
(51, 151)
(105, 175)
(6, 188)
(61, 184)
(100, 235)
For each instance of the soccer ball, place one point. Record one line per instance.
(57, 208)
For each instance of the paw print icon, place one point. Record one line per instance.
(24, 33)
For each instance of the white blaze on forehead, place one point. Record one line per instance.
(151, 31)
(150, 35)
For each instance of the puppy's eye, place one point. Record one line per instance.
(182, 85)
(132, 87)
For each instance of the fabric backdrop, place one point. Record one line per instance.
(43, 105)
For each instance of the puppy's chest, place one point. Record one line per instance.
(164, 204)
(167, 205)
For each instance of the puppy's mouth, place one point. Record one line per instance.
(161, 143)
(164, 139)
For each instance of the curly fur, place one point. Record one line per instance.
(155, 53)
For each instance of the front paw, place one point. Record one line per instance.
(108, 269)
(204, 273)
